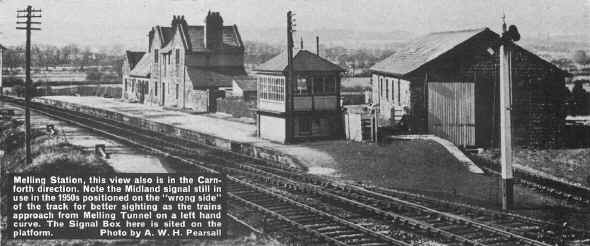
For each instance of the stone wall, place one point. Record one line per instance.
(237, 107)
(198, 101)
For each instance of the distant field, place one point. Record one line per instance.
(58, 74)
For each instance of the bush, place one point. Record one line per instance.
(12, 81)
(93, 75)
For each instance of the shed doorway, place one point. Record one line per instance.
(451, 111)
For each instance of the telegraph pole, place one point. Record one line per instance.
(25, 17)
(508, 37)
(290, 81)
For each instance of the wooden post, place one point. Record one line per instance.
(505, 126)
(289, 81)
(29, 14)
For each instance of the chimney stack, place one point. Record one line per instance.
(213, 31)
(301, 43)
(150, 37)
(317, 45)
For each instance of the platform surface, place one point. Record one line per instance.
(420, 164)
(203, 123)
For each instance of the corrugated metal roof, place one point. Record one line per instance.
(303, 60)
(207, 78)
(143, 67)
(423, 50)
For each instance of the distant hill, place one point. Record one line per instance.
(330, 37)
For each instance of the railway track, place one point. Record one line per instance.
(574, 195)
(282, 194)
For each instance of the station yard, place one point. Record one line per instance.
(416, 165)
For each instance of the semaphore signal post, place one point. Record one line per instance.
(25, 17)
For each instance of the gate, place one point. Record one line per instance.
(451, 111)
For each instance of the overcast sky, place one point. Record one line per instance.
(105, 22)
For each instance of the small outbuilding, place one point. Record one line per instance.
(448, 82)
(244, 88)
(311, 110)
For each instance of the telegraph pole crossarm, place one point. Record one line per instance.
(25, 17)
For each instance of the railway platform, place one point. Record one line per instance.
(303, 155)
(420, 165)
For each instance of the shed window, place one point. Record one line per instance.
(399, 92)
(386, 88)
(381, 86)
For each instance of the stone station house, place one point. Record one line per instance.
(185, 65)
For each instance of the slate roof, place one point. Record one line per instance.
(133, 57)
(246, 84)
(303, 60)
(167, 33)
(208, 78)
(143, 66)
(196, 36)
(423, 50)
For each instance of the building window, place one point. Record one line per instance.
(271, 88)
(304, 126)
(156, 88)
(176, 91)
(399, 92)
(318, 85)
(164, 64)
(133, 85)
(381, 86)
(392, 90)
(125, 87)
(156, 54)
(386, 88)
(330, 84)
(177, 56)
(303, 86)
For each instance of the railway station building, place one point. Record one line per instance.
(310, 110)
(185, 65)
(447, 84)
